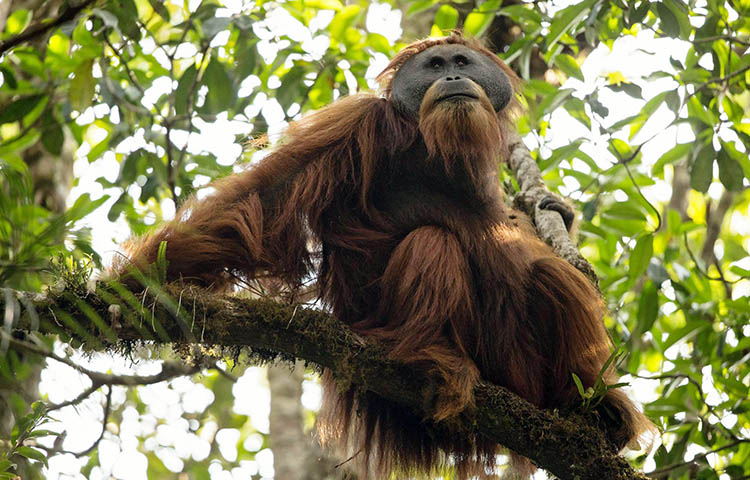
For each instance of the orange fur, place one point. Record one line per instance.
(406, 229)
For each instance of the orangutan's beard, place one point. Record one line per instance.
(463, 132)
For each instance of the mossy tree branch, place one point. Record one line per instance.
(109, 318)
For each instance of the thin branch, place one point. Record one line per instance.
(43, 27)
(81, 397)
(171, 167)
(105, 417)
(638, 188)
(728, 38)
(169, 370)
(661, 471)
(701, 394)
(174, 166)
(698, 266)
(124, 63)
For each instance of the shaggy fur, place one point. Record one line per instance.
(404, 225)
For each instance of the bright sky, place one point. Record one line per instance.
(118, 455)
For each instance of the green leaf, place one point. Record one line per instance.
(640, 12)
(420, 6)
(681, 15)
(159, 8)
(246, 57)
(569, 66)
(673, 101)
(17, 109)
(343, 20)
(620, 148)
(53, 136)
(214, 25)
(742, 272)
(290, 85)
(108, 18)
(221, 92)
(19, 144)
(324, 4)
(98, 149)
(321, 93)
(566, 19)
(17, 21)
(566, 152)
(480, 19)
(8, 77)
(630, 88)
(668, 20)
(162, 263)
(522, 14)
(738, 156)
(614, 358)
(185, 87)
(577, 109)
(42, 433)
(675, 154)
(446, 18)
(579, 385)
(82, 86)
(641, 256)
(83, 206)
(696, 110)
(551, 102)
(625, 211)
(646, 112)
(701, 172)
(734, 111)
(648, 307)
(127, 14)
(31, 453)
(379, 43)
(730, 172)
(118, 207)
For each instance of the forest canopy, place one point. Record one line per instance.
(113, 113)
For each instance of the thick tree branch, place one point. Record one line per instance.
(549, 223)
(567, 446)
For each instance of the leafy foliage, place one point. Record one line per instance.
(656, 159)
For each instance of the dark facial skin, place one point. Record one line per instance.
(452, 65)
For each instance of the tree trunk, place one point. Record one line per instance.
(288, 440)
(52, 179)
(297, 455)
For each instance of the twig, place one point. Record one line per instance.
(660, 471)
(728, 38)
(169, 370)
(638, 188)
(702, 271)
(124, 63)
(701, 394)
(105, 416)
(43, 27)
